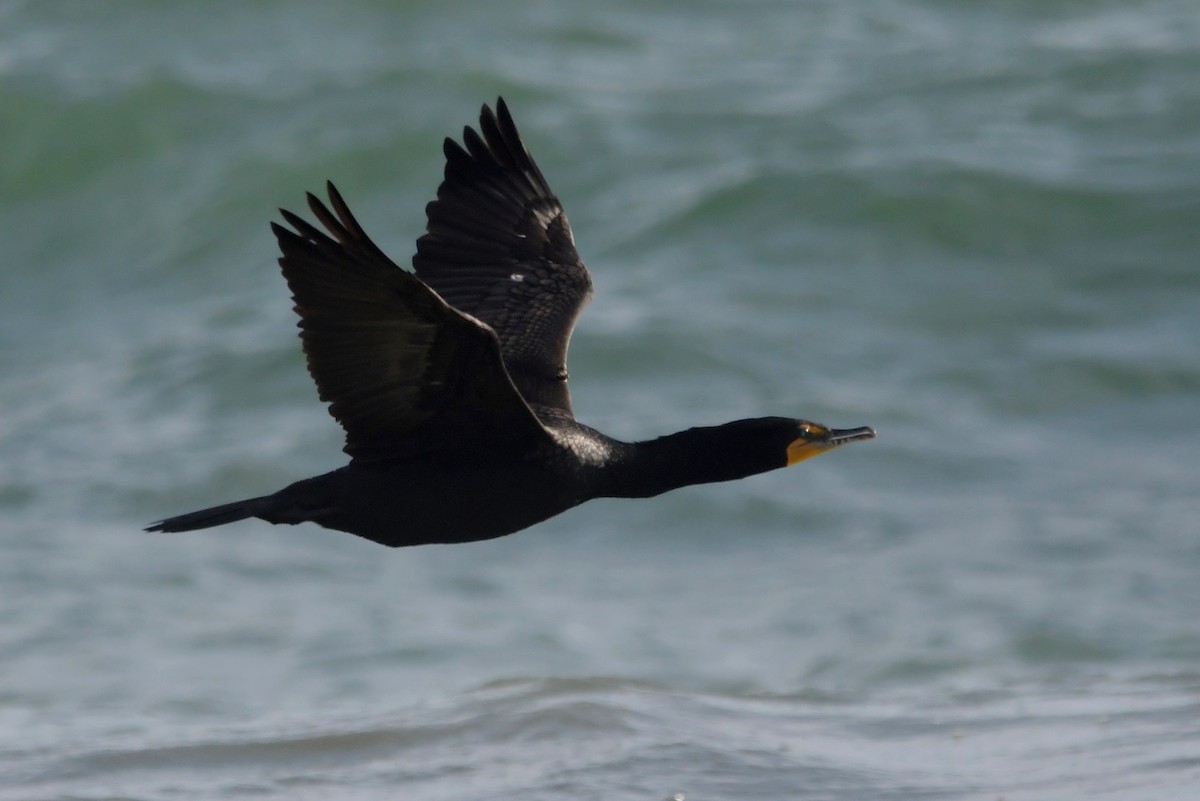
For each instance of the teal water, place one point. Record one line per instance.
(974, 228)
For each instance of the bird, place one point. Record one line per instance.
(450, 380)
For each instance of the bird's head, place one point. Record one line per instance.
(813, 438)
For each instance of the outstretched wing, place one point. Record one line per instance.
(499, 248)
(404, 373)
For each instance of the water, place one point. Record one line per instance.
(974, 228)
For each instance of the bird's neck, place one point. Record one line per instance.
(694, 456)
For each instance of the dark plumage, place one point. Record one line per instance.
(451, 383)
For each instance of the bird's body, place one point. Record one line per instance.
(416, 503)
(451, 382)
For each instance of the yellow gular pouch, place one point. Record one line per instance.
(815, 439)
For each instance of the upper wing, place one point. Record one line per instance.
(403, 371)
(499, 248)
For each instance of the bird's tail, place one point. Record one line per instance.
(213, 516)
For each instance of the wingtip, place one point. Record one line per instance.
(488, 115)
(335, 197)
(453, 152)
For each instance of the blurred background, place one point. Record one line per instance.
(974, 227)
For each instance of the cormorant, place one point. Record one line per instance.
(451, 383)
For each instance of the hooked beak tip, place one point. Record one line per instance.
(840, 436)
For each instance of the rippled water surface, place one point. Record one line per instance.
(975, 228)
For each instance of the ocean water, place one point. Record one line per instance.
(975, 227)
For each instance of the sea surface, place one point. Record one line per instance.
(973, 226)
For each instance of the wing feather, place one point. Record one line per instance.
(403, 371)
(498, 247)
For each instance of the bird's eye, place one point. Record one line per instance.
(806, 431)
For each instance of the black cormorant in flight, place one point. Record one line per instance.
(451, 383)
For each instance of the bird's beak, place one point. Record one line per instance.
(819, 439)
(840, 436)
